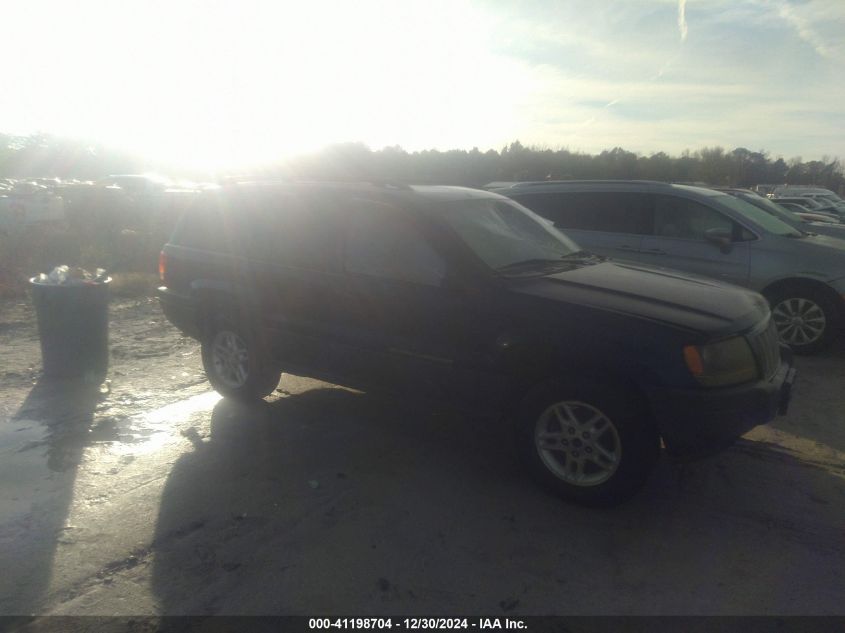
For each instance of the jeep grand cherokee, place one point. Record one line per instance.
(467, 296)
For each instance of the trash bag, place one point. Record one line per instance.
(71, 276)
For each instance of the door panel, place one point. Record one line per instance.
(405, 330)
(700, 257)
(678, 241)
(620, 246)
(293, 246)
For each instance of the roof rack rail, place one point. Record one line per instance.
(540, 183)
(388, 184)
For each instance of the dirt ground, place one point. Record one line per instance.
(159, 498)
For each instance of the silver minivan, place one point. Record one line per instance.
(707, 232)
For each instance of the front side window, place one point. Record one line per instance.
(680, 218)
(760, 217)
(770, 207)
(383, 242)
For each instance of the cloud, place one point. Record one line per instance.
(682, 19)
(818, 24)
(804, 29)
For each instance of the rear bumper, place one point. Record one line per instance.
(700, 422)
(180, 311)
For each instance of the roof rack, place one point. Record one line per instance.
(269, 180)
(540, 183)
(391, 185)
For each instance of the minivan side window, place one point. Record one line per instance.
(605, 211)
(682, 218)
(382, 242)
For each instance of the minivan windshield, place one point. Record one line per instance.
(505, 234)
(761, 218)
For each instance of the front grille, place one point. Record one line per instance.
(766, 346)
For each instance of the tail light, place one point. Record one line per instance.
(162, 266)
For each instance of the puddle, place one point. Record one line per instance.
(148, 432)
(36, 458)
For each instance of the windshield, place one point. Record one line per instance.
(761, 218)
(503, 233)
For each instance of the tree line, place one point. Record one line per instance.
(43, 155)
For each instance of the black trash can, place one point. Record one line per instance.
(73, 323)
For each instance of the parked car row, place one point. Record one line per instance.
(472, 297)
(814, 200)
(27, 202)
(810, 205)
(805, 222)
(122, 201)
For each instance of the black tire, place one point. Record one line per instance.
(259, 377)
(630, 438)
(813, 306)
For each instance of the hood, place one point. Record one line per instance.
(677, 299)
(828, 241)
(824, 254)
(826, 228)
(829, 225)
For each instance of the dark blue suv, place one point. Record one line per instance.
(464, 295)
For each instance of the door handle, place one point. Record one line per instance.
(656, 251)
(625, 247)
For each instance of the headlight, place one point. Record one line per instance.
(728, 362)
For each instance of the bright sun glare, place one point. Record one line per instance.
(218, 85)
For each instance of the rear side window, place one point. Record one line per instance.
(202, 226)
(300, 231)
(290, 230)
(383, 242)
(605, 211)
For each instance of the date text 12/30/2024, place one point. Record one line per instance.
(416, 623)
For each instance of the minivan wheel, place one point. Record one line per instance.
(592, 444)
(236, 367)
(804, 319)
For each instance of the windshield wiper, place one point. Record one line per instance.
(584, 255)
(530, 264)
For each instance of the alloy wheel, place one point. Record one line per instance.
(578, 443)
(799, 321)
(230, 358)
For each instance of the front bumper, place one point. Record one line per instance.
(700, 422)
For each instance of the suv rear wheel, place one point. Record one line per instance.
(235, 365)
(590, 443)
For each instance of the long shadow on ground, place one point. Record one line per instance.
(332, 501)
(41, 449)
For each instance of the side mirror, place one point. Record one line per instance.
(721, 238)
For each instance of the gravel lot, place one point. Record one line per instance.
(160, 498)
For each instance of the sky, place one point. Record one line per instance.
(220, 84)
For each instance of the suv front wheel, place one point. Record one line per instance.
(235, 365)
(590, 443)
